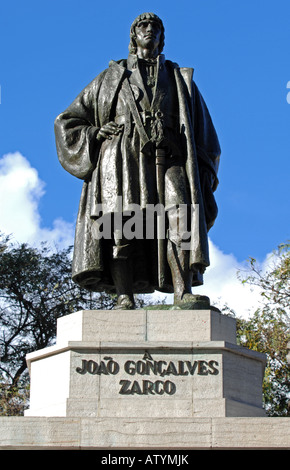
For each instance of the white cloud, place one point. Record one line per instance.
(20, 193)
(222, 285)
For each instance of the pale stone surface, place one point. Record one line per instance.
(272, 433)
(146, 325)
(216, 403)
(102, 325)
(54, 368)
(19, 432)
(197, 391)
(146, 363)
(190, 325)
(144, 433)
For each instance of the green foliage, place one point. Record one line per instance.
(267, 330)
(274, 281)
(35, 289)
(13, 399)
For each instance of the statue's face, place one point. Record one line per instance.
(148, 35)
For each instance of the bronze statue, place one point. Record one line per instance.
(140, 134)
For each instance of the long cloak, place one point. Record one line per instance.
(82, 155)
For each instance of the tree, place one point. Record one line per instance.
(267, 331)
(35, 289)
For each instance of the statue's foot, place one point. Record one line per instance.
(192, 302)
(125, 302)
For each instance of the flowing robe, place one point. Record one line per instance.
(121, 167)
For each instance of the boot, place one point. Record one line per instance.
(125, 302)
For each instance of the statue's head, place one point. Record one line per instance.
(144, 17)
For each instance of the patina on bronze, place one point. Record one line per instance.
(141, 133)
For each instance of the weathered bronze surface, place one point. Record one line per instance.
(140, 134)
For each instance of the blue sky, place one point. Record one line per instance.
(51, 50)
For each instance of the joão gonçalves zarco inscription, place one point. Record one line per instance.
(142, 139)
(161, 373)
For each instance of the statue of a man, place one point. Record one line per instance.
(141, 135)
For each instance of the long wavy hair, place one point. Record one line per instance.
(146, 16)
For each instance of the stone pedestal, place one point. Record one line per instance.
(167, 364)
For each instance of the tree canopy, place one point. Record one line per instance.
(35, 289)
(267, 330)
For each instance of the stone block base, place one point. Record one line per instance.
(146, 363)
(21, 433)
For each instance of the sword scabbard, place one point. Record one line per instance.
(160, 181)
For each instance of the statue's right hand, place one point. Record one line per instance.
(108, 130)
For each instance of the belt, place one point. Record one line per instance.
(172, 150)
(168, 120)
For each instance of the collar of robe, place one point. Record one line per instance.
(132, 61)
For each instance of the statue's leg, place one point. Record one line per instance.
(184, 276)
(179, 213)
(178, 261)
(121, 271)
